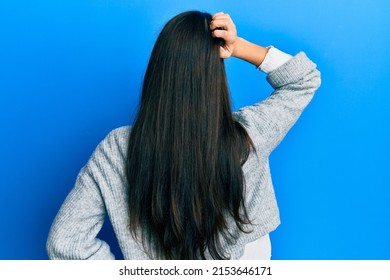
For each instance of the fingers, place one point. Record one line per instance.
(219, 33)
(222, 27)
(221, 21)
(220, 15)
(217, 14)
(220, 24)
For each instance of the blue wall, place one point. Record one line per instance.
(70, 71)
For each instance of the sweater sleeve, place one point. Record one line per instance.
(73, 234)
(294, 83)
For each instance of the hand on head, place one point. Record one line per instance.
(223, 27)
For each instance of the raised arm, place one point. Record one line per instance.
(294, 79)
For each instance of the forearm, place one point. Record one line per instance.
(249, 52)
(265, 59)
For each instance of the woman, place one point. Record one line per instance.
(190, 179)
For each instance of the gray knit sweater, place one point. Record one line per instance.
(101, 188)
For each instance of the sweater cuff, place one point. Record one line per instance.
(273, 60)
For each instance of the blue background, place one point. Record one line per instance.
(70, 71)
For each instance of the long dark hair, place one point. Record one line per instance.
(185, 149)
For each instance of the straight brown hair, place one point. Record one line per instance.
(186, 151)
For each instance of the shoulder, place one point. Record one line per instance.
(119, 133)
(117, 137)
(112, 150)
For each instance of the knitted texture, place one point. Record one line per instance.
(101, 187)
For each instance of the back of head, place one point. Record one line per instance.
(185, 149)
(185, 67)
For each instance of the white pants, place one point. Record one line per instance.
(259, 249)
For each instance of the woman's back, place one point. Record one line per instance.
(185, 150)
(189, 180)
